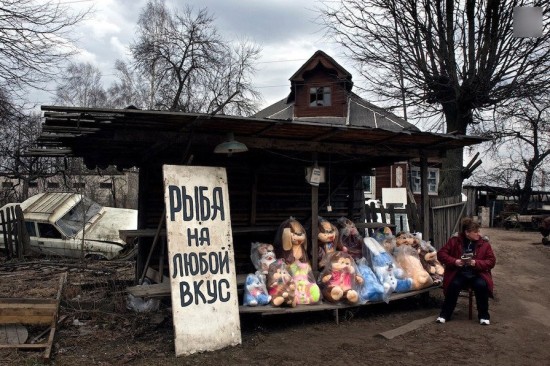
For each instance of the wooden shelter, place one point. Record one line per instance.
(266, 184)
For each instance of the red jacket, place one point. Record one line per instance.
(483, 255)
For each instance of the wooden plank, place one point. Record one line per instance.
(163, 289)
(34, 319)
(18, 302)
(24, 345)
(415, 324)
(272, 310)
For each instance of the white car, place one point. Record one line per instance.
(69, 225)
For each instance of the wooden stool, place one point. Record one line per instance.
(470, 302)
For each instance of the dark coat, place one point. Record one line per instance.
(483, 255)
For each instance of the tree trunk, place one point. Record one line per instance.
(450, 177)
(526, 192)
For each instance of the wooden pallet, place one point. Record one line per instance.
(15, 312)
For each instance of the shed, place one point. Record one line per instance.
(266, 184)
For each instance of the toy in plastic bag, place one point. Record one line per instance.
(428, 258)
(407, 257)
(340, 280)
(262, 255)
(280, 284)
(384, 267)
(307, 291)
(372, 289)
(255, 291)
(291, 242)
(328, 240)
(350, 237)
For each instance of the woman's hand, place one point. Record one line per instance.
(459, 263)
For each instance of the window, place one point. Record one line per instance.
(7, 184)
(368, 184)
(79, 185)
(31, 228)
(53, 185)
(106, 185)
(319, 97)
(48, 231)
(433, 180)
(78, 216)
(33, 184)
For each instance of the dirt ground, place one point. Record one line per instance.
(97, 329)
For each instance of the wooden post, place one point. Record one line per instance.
(314, 221)
(425, 197)
(314, 227)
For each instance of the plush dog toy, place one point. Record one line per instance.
(281, 286)
(291, 242)
(262, 255)
(255, 292)
(328, 241)
(340, 279)
(350, 237)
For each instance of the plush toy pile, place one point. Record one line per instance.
(353, 269)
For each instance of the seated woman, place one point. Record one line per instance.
(468, 259)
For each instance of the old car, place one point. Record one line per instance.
(72, 225)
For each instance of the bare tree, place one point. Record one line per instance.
(19, 135)
(81, 85)
(455, 57)
(34, 40)
(190, 66)
(520, 149)
(130, 88)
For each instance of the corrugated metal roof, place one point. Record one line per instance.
(50, 206)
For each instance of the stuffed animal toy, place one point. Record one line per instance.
(372, 289)
(428, 258)
(340, 280)
(387, 271)
(307, 290)
(280, 284)
(350, 237)
(291, 242)
(328, 241)
(262, 255)
(405, 253)
(255, 292)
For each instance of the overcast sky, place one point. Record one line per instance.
(285, 29)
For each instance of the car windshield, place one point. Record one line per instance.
(74, 220)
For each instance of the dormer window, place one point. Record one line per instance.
(319, 97)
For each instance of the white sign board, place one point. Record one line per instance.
(201, 258)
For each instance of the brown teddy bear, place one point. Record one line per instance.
(340, 280)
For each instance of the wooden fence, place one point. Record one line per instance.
(13, 231)
(398, 219)
(446, 215)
